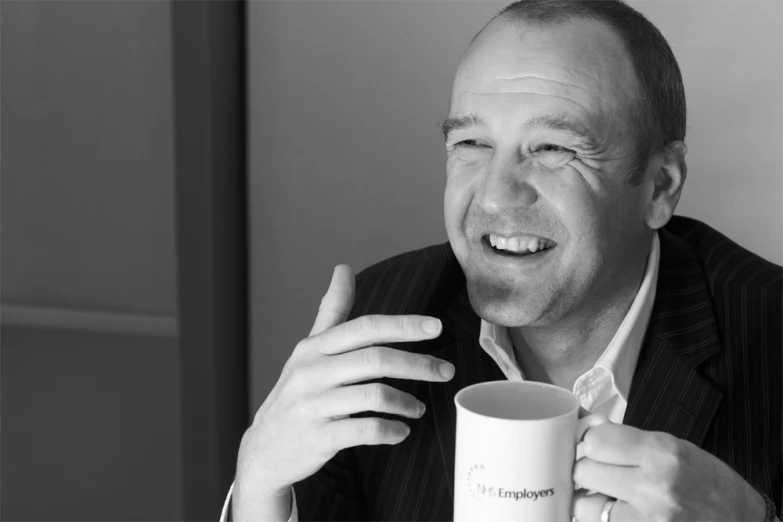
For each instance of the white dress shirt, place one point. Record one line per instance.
(294, 514)
(603, 388)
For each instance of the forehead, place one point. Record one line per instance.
(580, 64)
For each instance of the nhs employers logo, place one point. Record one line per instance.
(480, 489)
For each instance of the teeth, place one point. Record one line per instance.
(520, 244)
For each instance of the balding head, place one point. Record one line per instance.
(658, 109)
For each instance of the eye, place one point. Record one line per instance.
(471, 144)
(548, 147)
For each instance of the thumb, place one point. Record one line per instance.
(336, 304)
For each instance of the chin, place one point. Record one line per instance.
(502, 305)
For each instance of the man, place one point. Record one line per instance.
(565, 264)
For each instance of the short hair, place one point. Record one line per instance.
(660, 106)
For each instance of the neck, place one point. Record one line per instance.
(561, 352)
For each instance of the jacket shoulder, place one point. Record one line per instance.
(725, 263)
(421, 281)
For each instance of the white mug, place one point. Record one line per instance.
(515, 449)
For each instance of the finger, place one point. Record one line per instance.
(587, 422)
(615, 444)
(346, 433)
(375, 329)
(614, 481)
(347, 400)
(381, 361)
(336, 304)
(583, 425)
(588, 508)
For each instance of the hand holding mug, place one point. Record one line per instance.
(656, 476)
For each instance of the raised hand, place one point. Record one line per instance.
(303, 422)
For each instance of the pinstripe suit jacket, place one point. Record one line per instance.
(709, 372)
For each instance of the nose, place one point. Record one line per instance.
(506, 185)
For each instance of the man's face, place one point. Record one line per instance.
(539, 146)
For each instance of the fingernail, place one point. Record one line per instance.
(446, 370)
(431, 326)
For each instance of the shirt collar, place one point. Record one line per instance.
(623, 351)
(620, 356)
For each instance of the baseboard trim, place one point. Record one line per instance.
(88, 320)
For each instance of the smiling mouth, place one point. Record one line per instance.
(517, 246)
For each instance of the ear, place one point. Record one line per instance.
(666, 182)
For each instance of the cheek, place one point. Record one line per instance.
(456, 201)
(576, 202)
(600, 213)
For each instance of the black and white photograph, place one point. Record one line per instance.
(391, 260)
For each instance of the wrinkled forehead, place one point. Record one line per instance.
(585, 56)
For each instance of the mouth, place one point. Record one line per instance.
(516, 257)
(518, 246)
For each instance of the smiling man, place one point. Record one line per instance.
(565, 264)
(551, 235)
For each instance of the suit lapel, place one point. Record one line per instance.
(667, 394)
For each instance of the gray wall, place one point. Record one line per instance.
(88, 156)
(90, 384)
(90, 426)
(347, 164)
